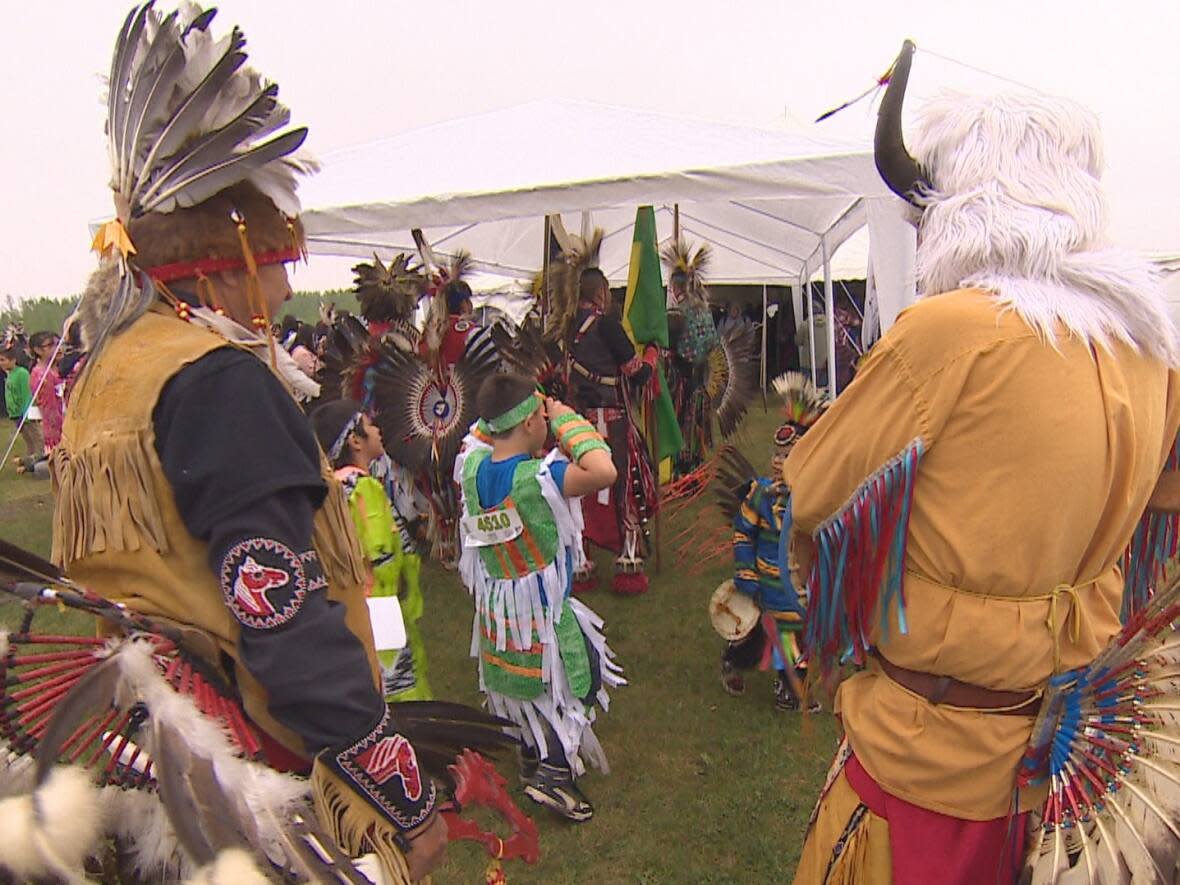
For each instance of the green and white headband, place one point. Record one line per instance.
(516, 415)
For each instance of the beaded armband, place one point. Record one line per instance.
(577, 436)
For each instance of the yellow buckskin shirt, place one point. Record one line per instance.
(116, 526)
(1038, 463)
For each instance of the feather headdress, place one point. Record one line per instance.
(565, 282)
(187, 121)
(388, 293)
(690, 267)
(14, 335)
(803, 404)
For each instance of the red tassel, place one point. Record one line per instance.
(585, 585)
(629, 584)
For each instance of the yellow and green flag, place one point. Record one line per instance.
(645, 319)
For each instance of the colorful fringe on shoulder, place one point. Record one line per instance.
(858, 551)
(1155, 544)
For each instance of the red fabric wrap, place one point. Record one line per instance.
(965, 852)
(630, 367)
(603, 521)
(183, 270)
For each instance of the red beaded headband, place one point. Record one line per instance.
(182, 270)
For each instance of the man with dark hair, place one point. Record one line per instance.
(460, 325)
(543, 660)
(601, 361)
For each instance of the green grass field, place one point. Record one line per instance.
(703, 787)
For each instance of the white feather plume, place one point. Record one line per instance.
(1017, 207)
(51, 832)
(187, 118)
(232, 867)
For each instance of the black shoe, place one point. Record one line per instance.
(553, 786)
(784, 698)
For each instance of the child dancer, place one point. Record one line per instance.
(17, 400)
(45, 383)
(353, 443)
(543, 660)
(759, 528)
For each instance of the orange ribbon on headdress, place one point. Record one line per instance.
(112, 237)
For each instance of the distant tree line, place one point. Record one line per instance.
(44, 313)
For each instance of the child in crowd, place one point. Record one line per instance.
(353, 443)
(543, 660)
(46, 385)
(17, 401)
(762, 524)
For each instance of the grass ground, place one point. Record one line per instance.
(704, 788)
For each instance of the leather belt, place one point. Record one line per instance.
(953, 693)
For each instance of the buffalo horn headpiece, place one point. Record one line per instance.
(901, 172)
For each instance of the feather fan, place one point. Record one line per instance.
(1106, 742)
(731, 377)
(141, 715)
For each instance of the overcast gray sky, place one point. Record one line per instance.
(355, 71)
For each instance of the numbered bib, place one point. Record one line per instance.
(493, 527)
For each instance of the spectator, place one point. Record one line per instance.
(303, 351)
(733, 319)
(17, 400)
(287, 330)
(803, 340)
(45, 384)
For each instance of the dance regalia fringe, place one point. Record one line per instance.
(858, 551)
(516, 614)
(1154, 545)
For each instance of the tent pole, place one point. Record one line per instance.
(830, 309)
(675, 222)
(811, 330)
(545, 274)
(764, 322)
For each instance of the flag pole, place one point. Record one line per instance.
(653, 430)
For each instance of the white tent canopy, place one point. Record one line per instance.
(763, 198)
(772, 204)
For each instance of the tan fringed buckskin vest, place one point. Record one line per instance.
(116, 528)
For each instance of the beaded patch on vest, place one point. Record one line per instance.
(265, 582)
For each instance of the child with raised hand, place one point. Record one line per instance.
(543, 660)
(353, 443)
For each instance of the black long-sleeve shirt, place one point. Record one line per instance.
(244, 465)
